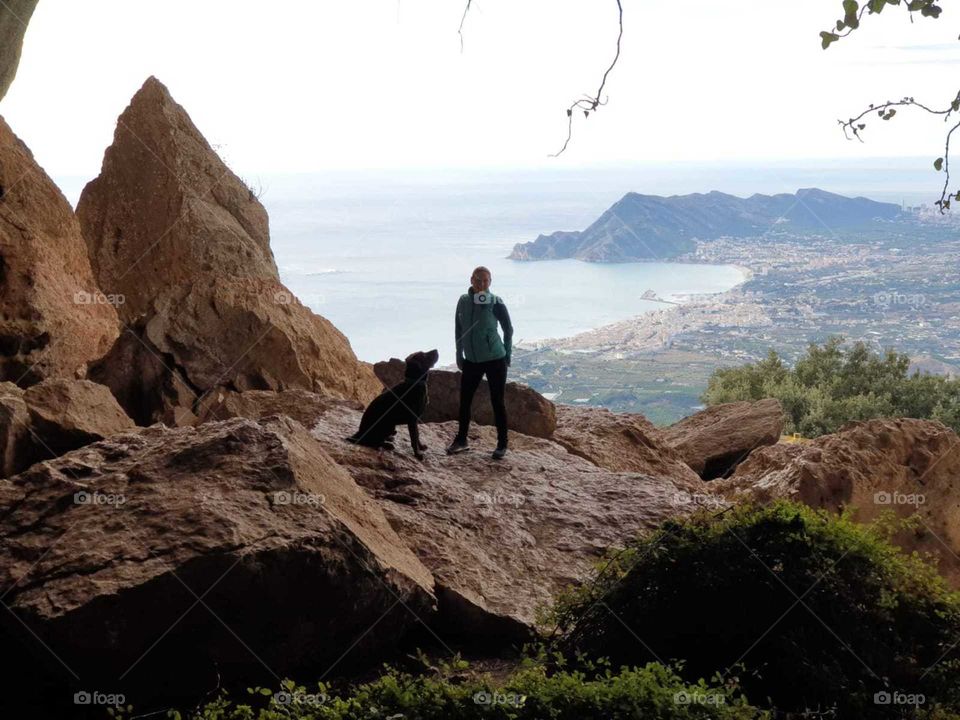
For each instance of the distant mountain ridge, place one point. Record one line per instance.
(651, 227)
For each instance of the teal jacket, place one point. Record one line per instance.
(475, 328)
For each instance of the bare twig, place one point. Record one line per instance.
(887, 110)
(588, 104)
(462, 21)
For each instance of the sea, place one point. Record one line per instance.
(384, 255)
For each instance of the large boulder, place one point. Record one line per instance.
(52, 418)
(68, 414)
(714, 441)
(622, 442)
(902, 465)
(161, 561)
(227, 333)
(528, 412)
(53, 318)
(14, 16)
(165, 208)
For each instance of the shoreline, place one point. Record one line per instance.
(682, 300)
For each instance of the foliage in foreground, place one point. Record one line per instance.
(835, 384)
(530, 693)
(821, 611)
(794, 609)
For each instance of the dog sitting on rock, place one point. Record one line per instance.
(402, 404)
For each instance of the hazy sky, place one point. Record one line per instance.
(322, 84)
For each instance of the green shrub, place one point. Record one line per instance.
(823, 612)
(647, 693)
(835, 384)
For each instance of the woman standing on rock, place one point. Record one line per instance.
(480, 351)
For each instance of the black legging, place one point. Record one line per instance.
(496, 372)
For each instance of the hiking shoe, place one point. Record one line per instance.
(458, 446)
(499, 453)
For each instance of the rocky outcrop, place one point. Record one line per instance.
(908, 466)
(714, 441)
(165, 209)
(501, 538)
(169, 226)
(14, 16)
(622, 442)
(227, 334)
(528, 412)
(651, 227)
(159, 560)
(53, 318)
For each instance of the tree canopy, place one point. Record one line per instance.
(837, 383)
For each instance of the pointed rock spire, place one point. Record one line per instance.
(166, 208)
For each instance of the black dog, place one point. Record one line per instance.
(401, 404)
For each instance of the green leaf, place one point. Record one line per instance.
(828, 37)
(850, 8)
(938, 164)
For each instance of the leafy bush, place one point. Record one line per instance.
(835, 384)
(823, 611)
(530, 693)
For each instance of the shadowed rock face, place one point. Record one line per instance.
(528, 412)
(14, 430)
(14, 17)
(714, 441)
(241, 545)
(905, 465)
(165, 208)
(53, 318)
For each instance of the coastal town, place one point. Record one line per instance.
(872, 285)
